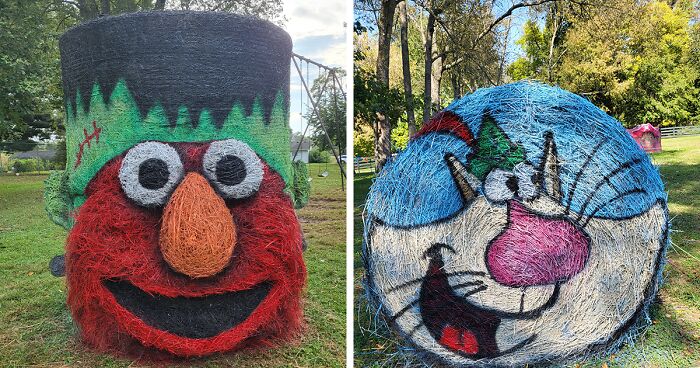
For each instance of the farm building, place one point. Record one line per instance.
(303, 154)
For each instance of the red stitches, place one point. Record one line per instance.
(95, 134)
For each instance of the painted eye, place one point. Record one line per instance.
(500, 186)
(149, 173)
(527, 179)
(233, 168)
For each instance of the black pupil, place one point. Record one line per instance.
(512, 184)
(230, 170)
(153, 173)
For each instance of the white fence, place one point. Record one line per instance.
(667, 132)
(364, 164)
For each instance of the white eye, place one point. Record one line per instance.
(149, 173)
(233, 168)
(527, 179)
(500, 186)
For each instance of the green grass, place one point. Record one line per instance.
(673, 340)
(36, 328)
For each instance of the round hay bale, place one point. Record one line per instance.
(177, 190)
(521, 225)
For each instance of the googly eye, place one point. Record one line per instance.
(526, 175)
(149, 173)
(500, 186)
(233, 168)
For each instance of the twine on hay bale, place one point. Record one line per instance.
(521, 225)
(178, 190)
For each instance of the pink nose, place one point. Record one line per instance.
(536, 250)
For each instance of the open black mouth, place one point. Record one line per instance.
(458, 325)
(197, 318)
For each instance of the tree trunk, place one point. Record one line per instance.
(504, 52)
(456, 87)
(436, 76)
(105, 7)
(555, 30)
(406, 66)
(382, 150)
(427, 101)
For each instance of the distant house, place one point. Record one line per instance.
(303, 154)
(42, 155)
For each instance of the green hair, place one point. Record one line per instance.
(103, 131)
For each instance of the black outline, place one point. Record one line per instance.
(438, 264)
(595, 348)
(583, 167)
(550, 145)
(606, 179)
(463, 187)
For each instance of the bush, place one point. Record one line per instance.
(34, 164)
(318, 156)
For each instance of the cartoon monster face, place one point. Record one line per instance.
(191, 248)
(529, 267)
(179, 190)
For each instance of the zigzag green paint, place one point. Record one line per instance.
(123, 127)
(493, 149)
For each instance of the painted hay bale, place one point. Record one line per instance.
(647, 136)
(521, 225)
(177, 193)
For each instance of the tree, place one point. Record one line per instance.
(461, 39)
(31, 97)
(89, 9)
(371, 97)
(363, 141)
(265, 9)
(406, 68)
(30, 89)
(637, 65)
(385, 28)
(636, 61)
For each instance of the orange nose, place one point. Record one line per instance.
(197, 235)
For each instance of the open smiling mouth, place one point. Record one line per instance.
(458, 325)
(196, 317)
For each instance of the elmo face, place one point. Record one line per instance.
(191, 248)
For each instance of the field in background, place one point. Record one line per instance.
(36, 328)
(673, 340)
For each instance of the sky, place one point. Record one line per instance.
(318, 32)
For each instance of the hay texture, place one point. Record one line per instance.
(521, 225)
(178, 191)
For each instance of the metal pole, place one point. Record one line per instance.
(337, 119)
(301, 76)
(318, 115)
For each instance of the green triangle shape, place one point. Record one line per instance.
(493, 150)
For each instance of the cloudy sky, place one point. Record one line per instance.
(319, 33)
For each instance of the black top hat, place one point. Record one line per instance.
(194, 59)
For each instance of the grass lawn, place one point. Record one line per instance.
(36, 328)
(673, 340)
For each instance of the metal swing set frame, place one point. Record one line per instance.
(336, 85)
